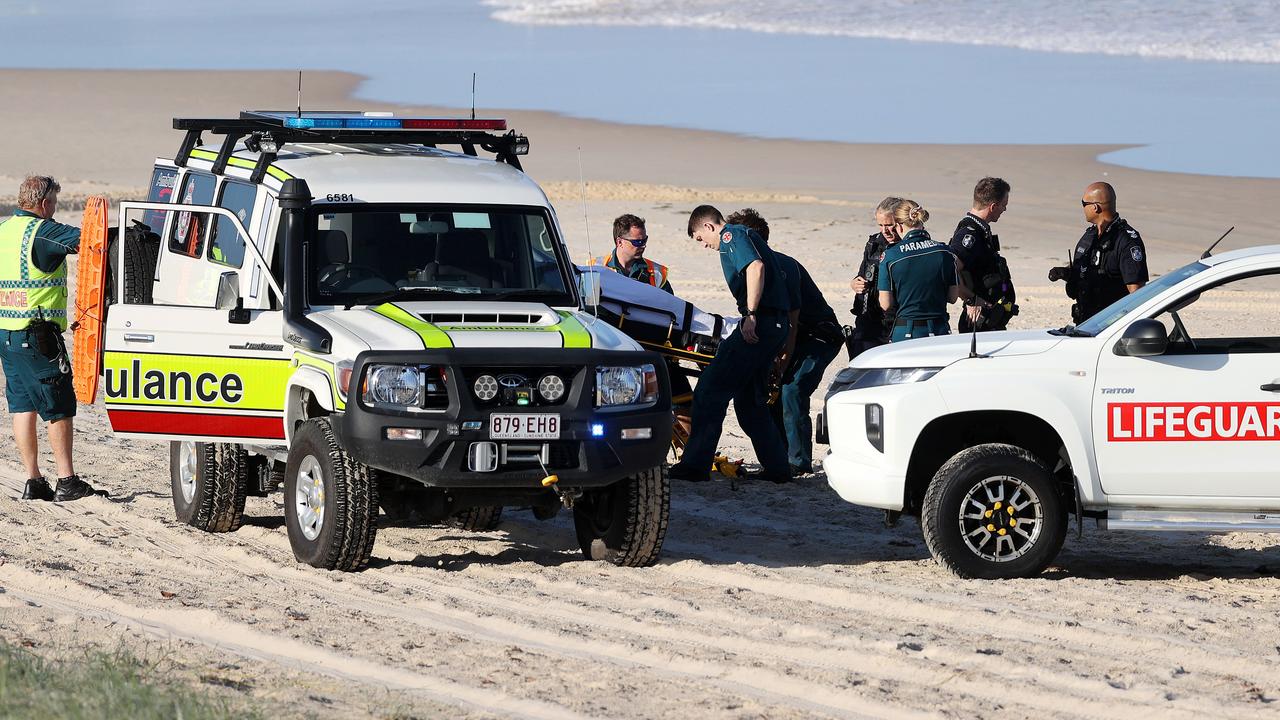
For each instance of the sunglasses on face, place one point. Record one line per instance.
(638, 242)
(1087, 203)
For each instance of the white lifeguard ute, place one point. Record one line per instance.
(1152, 415)
(333, 302)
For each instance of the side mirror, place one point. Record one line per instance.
(589, 286)
(228, 290)
(1144, 338)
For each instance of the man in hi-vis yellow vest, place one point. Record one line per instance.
(630, 239)
(33, 316)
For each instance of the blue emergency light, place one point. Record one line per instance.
(597, 430)
(377, 121)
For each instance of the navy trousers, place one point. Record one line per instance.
(739, 373)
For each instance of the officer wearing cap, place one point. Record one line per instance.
(873, 326)
(1110, 260)
(984, 275)
(33, 316)
(814, 341)
(917, 277)
(630, 240)
(740, 369)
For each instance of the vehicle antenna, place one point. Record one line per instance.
(1209, 252)
(586, 223)
(973, 338)
(299, 93)
(473, 96)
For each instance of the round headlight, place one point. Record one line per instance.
(551, 388)
(395, 385)
(618, 385)
(486, 388)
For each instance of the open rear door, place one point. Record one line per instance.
(206, 365)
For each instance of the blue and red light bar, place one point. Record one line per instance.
(380, 121)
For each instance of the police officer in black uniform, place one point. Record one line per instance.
(1110, 260)
(873, 326)
(985, 284)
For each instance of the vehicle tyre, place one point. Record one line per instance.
(142, 251)
(626, 522)
(210, 481)
(330, 501)
(994, 512)
(478, 519)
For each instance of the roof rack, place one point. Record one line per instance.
(265, 131)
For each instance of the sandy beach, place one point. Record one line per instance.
(781, 602)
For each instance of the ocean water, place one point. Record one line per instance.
(1193, 87)
(1215, 30)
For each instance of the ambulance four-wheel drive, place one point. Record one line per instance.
(332, 303)
(1151, 415)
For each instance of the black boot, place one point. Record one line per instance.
(681, 471)
(73, 488)
(37, 489)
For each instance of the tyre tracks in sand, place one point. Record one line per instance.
(511, 623)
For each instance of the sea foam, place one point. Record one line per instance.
(1220, 30)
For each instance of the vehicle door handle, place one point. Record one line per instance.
(139, 337)
(1270, 387)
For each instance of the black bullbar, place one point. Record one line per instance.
(437, 442)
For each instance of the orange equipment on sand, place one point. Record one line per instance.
(90, 304)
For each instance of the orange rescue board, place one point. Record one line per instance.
(90, 309)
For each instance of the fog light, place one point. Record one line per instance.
(637, 433)
(875, 426)
(597, 429)
(404, 433)
(551, 388)
(486, 388)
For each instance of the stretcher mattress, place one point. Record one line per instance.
(655, 317)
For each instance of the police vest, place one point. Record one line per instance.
(657, 272)
(26, 291)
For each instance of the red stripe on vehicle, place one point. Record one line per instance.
(1187, 422)
(176, 423)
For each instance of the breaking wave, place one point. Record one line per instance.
(1223, 30)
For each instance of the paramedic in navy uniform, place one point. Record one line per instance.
(917, 277)
(740, 369)
(814, 342)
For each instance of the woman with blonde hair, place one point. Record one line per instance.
(917, 277)
(872, 326)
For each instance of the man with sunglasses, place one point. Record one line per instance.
(630, 240)
(1110, 260)
(33, 316)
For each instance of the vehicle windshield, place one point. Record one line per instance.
(1109, 315)
(378, 252)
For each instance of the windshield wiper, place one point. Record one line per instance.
(409, 292)
(1070, 331)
